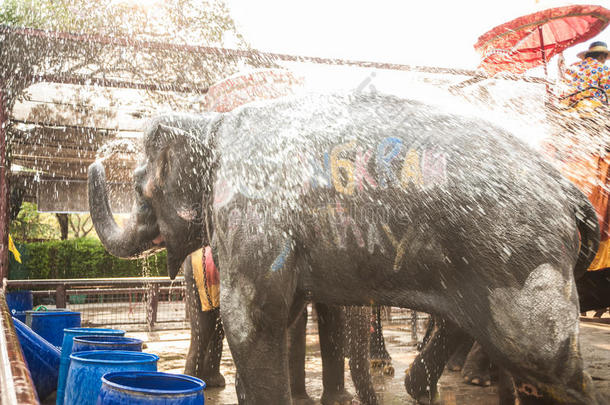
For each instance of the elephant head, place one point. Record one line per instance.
(172, 186)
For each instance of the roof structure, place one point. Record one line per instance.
(72, 95)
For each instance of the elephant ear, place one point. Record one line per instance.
(178, 162)
(171, 142)
(162, 143)
(180, 153)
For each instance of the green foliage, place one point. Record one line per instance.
(192, 22)
(31, 224)
(18, 12)
(84, 258)
(199, 22)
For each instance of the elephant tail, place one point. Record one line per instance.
(588, 227)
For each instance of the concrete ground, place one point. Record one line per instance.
(171, 346)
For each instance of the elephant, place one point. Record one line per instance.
(353, 199)
(475, 365)
(205, 349)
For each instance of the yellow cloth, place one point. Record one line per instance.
(602, 259)
(12, 248)
(591, 176)
(213, 286)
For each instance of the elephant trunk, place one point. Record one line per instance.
(140, 231)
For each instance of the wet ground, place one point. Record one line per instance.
(171, 346)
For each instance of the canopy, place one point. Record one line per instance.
(531, 40)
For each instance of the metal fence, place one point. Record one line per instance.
(133, 303)
(16, 386)
(152, 303)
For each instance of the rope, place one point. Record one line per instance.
(208, 240)
(205, 280)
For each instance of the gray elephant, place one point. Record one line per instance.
(471, 359)
(205, 349)
(353, 199)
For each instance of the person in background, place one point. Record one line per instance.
(588, 80)
(582, 151)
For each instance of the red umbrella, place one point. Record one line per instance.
(531, 40)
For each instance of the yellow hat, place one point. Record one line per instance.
(597, 46)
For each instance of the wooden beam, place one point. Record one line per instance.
(36, 112)
(4, 191)
(52, 151)
(74, 171)
(60, 134)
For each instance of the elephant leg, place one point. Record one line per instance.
(379, 354)
(477, 368)
(594, 290)
(506, 388)
(422, 376)
(458, 358)
(358, 325)
(259, 346)
(533, 332)
(211, 374)
(205, 349)
(257, 297)
(297, 335)
(331, 324)
(428, 334)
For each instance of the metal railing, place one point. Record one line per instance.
(131, 302)
(16, 386)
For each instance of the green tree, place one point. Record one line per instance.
(32, 225)
(181, 22)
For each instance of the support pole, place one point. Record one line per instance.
(414, 327)
(152, 305)
(16, 385)
(542, 51)
(4, 199)
(544, 62)
(60, 296)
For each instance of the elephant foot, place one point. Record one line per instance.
(388, 370)
(302, 399)
(338, 398)
(425, 400)
(380, 362)
(477, 376)
(477, 368)
(457, 360)
(454, 366)
(416, 383)
(214, 380)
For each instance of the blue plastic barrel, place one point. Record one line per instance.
(150, 388)
(87, 368)
(41, 357)
(19, 301)
(50, 324)
(19, 315)
(102, 342)
(66, 351)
